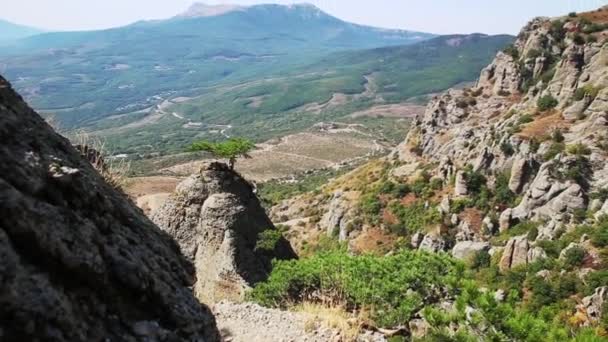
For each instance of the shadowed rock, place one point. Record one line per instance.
(78, 261)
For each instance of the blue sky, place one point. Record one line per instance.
(437, 16)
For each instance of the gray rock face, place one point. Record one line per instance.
(432, 243)
(520, 173)
(217, 221)
(519, 251)
(460, 188)
(592, 306)
(337, 217)
(79, 262)
(467, 249)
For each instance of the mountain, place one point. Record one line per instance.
(509, 175)
(82, 76)
(10, 31)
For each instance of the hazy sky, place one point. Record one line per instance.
(438, 16)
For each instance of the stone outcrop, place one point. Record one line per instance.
(592, 306)
(222, 228)
(519, 251)
(465, 250)
(79, 262)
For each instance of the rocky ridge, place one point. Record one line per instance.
(79, 261)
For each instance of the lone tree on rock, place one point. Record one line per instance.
(230, 149)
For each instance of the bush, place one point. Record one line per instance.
(414, 217)
(507, 148)
(268, 239)
(392, 288)
(587, 90)
(599, 237)
(557, 136)
(555, 149)
(578, 149)
(524, 119)
(546, 102)
(578, 39)
(574, 257)
(572, 14)
(512, 51)
(504, 195)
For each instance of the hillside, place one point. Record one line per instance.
(84, 76)
(10, 31)
(508, 176)
(341, 86)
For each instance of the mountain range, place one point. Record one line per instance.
(282, 58)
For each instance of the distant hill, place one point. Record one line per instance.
(84, 76)
(10, 31)
(325, 89)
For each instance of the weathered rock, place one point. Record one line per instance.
(218, 221)
(417, 239)
(79, 261)
(465, 250)
(518, 251)
(520, 174)
(504, 222)
(432, 243)
(592, 307)
(460, 188)
(337, 217)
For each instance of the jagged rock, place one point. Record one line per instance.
(591, 307)
(444, 206)
(549, 197)
(502, 75)
(488, 225)
(500, 295)
(217, 220)
(419, 327)
(549, 230)
(465, 250)
(460, 187)
(504, 222)
(432, 243)
(79, 261)
(336, 219)
(520, 173)
(417, 239)
(518, 251)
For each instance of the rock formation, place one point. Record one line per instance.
(79, 262)
(222, 228)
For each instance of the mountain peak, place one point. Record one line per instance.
(199, 9)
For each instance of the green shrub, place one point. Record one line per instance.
(572, 14)
(392, 288)
(268, 239)
(588, 90)
(512, 51)
(555, 149)
(546, 102)
(414, 217)
(370, 205)
(578, 39)
(557, 136)
(557, 30)
(534, 145)
(578, 149)
(524, 119)
(599, 237)
(574, 257)
(504, 195)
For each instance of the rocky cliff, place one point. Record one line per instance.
(538, 114)
(79, 262)
(221, 227)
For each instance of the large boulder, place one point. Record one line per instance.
(221, 227)
(79, 262)
(465, 250)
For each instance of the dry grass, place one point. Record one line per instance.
(114, 171)
(543, 126)
(349, 325)
(597, 16)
